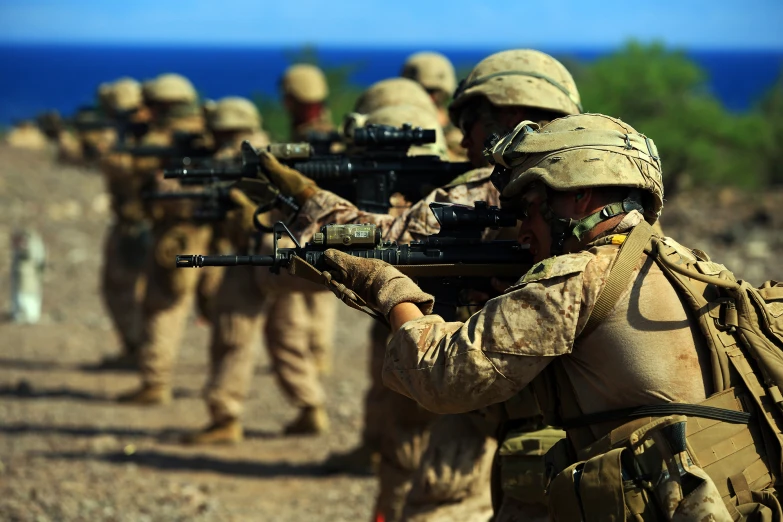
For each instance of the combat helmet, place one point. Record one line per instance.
(432, 70)
(305, 83)
(170, 88)
(124, 95)
(394, 91)
(577, 152)
(233, 113)
(397, 115)
(520, 77)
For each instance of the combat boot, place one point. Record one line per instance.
(360, 461)
(148, 394)
(123, 362)
(312, 420)
(225, 432)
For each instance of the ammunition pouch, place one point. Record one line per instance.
(680, 460)
(672, 468)
(522, 466)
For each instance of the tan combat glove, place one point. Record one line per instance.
(378, 285)
(240, 222)
(289, 181)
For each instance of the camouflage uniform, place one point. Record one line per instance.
(507, 79)
(436, 74)
(170, 292)
(424, 470)
(243, 309)
(647, 348)
(128, 238)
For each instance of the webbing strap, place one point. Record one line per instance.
(659, 410)
(483, 79)
(609, 211)
(620, 275)
(301, 268)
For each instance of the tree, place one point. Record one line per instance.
(663, 94)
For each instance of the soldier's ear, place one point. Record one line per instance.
(583, 201)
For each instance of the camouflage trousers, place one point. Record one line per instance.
(169, 297)
(123, 280)
(432, 467)
(297, 327)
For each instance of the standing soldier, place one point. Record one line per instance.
(305, 91)
(239, 301)
(436, 74)
(128, 238)
(299, 322)
(501, 91)
(170, 293)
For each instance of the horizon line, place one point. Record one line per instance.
(376, 46)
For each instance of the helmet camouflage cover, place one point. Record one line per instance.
(124, 94)
(394, 91)
(397, 115)
(432, 70)
(170, 88)
(233, 113)
(305, 83)
(520, 77)
(581, 151)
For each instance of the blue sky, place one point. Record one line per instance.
(721, 24)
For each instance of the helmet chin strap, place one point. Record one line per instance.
(563, 228)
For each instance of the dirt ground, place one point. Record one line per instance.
(68, 452)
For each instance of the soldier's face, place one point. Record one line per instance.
(474, 134)
(534, 229)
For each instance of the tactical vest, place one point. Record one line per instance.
(678, 461)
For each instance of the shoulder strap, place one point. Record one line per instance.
(620, 275)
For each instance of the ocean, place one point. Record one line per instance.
(40, 77)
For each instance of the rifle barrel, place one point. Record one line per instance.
(198, 261)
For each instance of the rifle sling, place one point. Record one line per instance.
(301, 268)
(620, 275)
(658, 410)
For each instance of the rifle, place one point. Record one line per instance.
(367, 177)
(445, 263)
(322, 142)
(186, 148)
(213, 203)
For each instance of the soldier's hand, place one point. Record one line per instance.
(239, 221)
(289, 181)
(379, 284)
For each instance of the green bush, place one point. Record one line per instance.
(342, 95)
(663, 94)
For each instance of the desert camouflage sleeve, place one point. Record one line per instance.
(457, 367)
(324, 208)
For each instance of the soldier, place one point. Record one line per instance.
(628, 369)
(304, 318)
(239, 300)
(128, 238)
(436, 74)
(502, 90)
(170, 293)
(305, 91)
